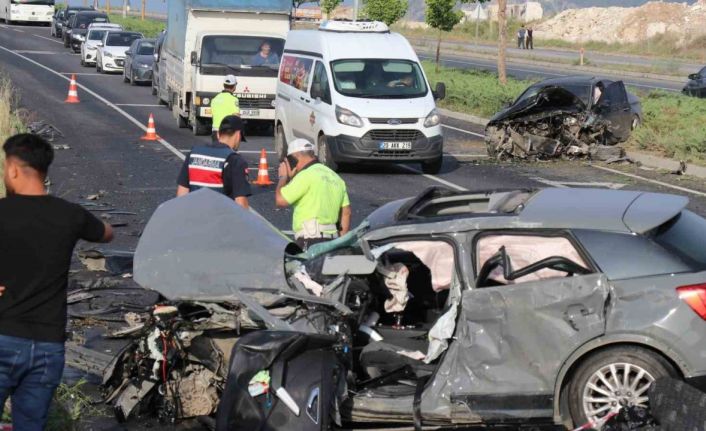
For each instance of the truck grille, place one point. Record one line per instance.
(265, 103)
(394, 135)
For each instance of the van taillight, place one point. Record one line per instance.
(695, 296)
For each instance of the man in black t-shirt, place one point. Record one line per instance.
(38, 233)
(218, 166)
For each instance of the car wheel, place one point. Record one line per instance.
(132, 79)
(280, 143)
(98, 65)
(125, 78)
(324, 153)
(66, 43)
(83, 63)
(612, 379)
(433, 167)
(635, 122)
(154, 90)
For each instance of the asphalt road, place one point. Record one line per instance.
(521, 70)
(563, 55)
(106, 156)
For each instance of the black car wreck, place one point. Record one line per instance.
(442, 310)
(696, 86)
(572, 117)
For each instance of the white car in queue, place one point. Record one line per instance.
(94, 36)
(358, 92)
(110, 56)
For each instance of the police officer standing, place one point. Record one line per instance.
(224, 104)
(218, 166)
(322, 209)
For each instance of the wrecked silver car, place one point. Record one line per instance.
(565, 117)
(558, 305)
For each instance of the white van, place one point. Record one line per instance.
(359, 92)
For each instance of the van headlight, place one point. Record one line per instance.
(433, 119)
(347, 117)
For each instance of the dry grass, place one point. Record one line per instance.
(9, 123)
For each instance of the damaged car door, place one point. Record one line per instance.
(536, 301)
(614, 107)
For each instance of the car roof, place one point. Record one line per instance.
(91, 13)
(344, 45)
(442, 210)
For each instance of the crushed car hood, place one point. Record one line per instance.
(548, 100)
(203, 246)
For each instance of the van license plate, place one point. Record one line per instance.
(395, 145)
(249, 113)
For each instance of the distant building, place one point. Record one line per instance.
(523, 12)
(478, 13)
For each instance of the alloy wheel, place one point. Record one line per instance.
(613, 387)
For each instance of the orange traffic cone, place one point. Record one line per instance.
(73, 91)
(151, 134)
(263, 173)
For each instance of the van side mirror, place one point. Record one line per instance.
(194, 58)
(694, 76)
(316, 92)
(440, 92)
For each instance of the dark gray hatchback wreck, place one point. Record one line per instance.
(558, 306)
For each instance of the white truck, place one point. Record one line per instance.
(209, 39)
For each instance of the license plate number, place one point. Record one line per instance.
(206, 112)
(395, 145)
(33, 18)
(249, 113)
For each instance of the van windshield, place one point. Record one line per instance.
(379, 78)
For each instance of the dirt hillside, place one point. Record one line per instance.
(627, 24)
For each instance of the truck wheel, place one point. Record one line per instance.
(613, 378)
(324, 153)
(199, 128)
(433, 167)
(280, 143)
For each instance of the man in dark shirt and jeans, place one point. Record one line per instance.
(218, 166)
(38, 233)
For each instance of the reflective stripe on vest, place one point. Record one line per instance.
(223, 105)
(206, 167)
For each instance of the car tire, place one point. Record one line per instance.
(324, 153)
(635, 122)
(83, 63)
(125, 78)
(154, 90)
(433, 167)
(98, 66)
(132, 79)
(66, 43)
(280, 143)
(642, 367)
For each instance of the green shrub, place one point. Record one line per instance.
(149, 27)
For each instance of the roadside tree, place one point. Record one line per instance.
(328, 6)
(296, 4)
(443, 16)
(387, 11)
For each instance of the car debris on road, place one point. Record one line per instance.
(565, 117)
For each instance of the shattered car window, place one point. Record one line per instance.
(582, 91)
(524, 250)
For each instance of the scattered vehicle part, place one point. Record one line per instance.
(45, 130)
(615, 277)
(565, 117)
(114, 261)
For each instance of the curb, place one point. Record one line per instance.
(561, 67)
(645, 159)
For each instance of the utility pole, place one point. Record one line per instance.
(107, 5)
(355, 10)
(125, 6)
(478, 4)
(144, 5)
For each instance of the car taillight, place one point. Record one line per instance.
(695, 297)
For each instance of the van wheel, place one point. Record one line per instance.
(280, 143)
(613, 378)
(433, 167)
(324, 154)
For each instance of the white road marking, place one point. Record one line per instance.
(649, 180)
(475, 156)
(480, 135)
(135, 104)
(434, 178)
(18, 31)
(50, 40)
(84, 74)
(593, 184)
(27, 51)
